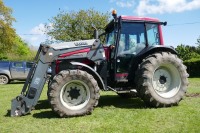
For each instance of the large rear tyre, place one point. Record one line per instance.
(73, 93)
(162, 80)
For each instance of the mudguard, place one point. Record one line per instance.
(156, 48)
(144, 53)
(92, 72)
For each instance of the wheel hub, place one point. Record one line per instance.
(163, 79)
(166, 80)
(74, 93)
(2, 80)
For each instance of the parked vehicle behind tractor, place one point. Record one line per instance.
(14, 70)
(131, 57)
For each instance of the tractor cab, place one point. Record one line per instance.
(125, 38)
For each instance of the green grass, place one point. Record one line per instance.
(113, 114)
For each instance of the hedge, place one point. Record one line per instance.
(193, 67)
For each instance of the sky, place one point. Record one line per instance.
(182, 16)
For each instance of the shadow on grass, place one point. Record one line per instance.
(17, 82)
(46, 114)
(43, 114)
(104, 101)
(8, 113)
(118, 102)
(42, 104)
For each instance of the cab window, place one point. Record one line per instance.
(132, 38)
(152, 34)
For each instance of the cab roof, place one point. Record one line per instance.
(135, 18)
(131, 18)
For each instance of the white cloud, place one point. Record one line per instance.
(40, 29)
(166, 6)
(37, 35)
(34, 38)
(124, 4)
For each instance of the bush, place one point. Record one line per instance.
(193, 67)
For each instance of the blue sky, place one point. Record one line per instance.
(183, 16)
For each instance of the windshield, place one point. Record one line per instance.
(132, 37)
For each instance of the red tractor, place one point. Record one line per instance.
(131, 58)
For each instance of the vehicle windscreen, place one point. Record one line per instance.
(153, 34)
(132, 37)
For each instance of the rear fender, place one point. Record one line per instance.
(145, 53)
(92, 72)
(157, 48)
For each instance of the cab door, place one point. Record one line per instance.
(131, 40)
(123, 57)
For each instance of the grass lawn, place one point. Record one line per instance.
(113, 114)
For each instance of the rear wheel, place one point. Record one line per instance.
(4, 79)
(162, 80)
(73, 93)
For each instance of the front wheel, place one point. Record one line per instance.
(73, 93)
(162, 80)
(4, 79)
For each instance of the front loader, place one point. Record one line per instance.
(36, 79)
(130, 58)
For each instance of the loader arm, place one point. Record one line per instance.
(32, 89)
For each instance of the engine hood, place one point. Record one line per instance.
(73, 44)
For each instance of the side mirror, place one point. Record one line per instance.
(96, 33)
(165, 23)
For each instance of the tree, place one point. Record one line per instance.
(186, 52)
(12, 47)
(183, 52)
(5, 14)
(76, 25)
(198, 44)
(7, 33)
(198, 41)
(20, 51)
